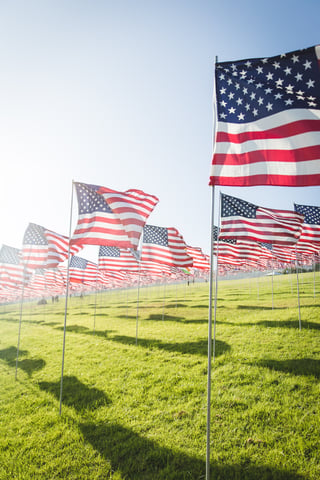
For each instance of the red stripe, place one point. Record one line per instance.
(275, 180)
(283, 131)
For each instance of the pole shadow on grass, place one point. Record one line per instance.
(198, 348)
(28, 365)
(296, 366)
(173, 318)
(138, 458)
(76, 394)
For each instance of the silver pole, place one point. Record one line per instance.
(66, 304)
(216, 286)
(298, 290)
(210, 340)
(138, 303)
(20, 321)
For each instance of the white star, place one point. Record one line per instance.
(289, 101)
(232, 110)
(233, 66)
(223, 91)
(231, 95)
(259, 85)
(278, 96)
(295, 58)
(264, 60)
(259, 70)
(260, 101)
(253, 96)
(268, 90)
(310, 83)
(289, 88)
(247, 106)
(307, 64)
(276, 65)
(255, 112)
(245, 90)
(223, 115)
(298, 77)
(279, 82)
(269, 76)
(287, 70)
(223, 103)
(237, 85)
(229, 81)
(239, 101)
(221, 76)
(248, 64)
(241, 116)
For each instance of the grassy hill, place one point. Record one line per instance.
(138, 411)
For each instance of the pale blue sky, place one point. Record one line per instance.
(119, 93)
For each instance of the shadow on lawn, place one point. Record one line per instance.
(299, 366)
(28, 365)
(139, 458)
(172, 318)
(76, 394)
(198, 348)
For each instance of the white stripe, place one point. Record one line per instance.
(309, 167)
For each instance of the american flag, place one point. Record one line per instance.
(13, 272)
(115, 258)
(245, 221)
(111, 218)
(164, 245)
(200, 260)
(43, 248)
(268, 125)
(311, 225)
(83, 271)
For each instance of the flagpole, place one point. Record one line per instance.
(210, 339)
(298, 289)
(66, 303)
(210, 292)
(138, 302)
(20, 321)
(216, 286)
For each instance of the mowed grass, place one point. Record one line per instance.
(139, 411)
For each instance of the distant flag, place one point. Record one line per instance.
(242, 220)
(268, 125)
(83, 271)
(13, 272)
(111, 218)
(165, 245)
(43, 248)
(200, 260)
(115, 258)
(311, 223)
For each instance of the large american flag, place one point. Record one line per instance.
(43, 248)
(111, 218)
(268, 121)
(200, 260)
(245, 221)
(311, 224)
(164, 245)
(115, 258)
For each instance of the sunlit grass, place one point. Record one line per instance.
(138, 411)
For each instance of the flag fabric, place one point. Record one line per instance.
(43, 248)
(268, 121)
(115, 258)
(111, 218)
(164, 245)
(311, 224)
(13, 272)
(200, 260)
(83, 271)
(242, 220)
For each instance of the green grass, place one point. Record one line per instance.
(139, 411)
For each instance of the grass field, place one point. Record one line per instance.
(139, 411)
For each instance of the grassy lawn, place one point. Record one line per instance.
(139, 411)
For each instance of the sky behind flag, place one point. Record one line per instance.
(120, 94)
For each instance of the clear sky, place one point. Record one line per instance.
(119, 93)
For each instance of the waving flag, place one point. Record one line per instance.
(311, 224)
(245, 221)
(13, 272)
(268, 125)
(200, 260)
(114, 258)
(164, 245)
(43, 248)
(83, 271)
(111, 218)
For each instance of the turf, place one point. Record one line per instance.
(134, 400)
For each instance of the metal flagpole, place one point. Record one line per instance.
(216, 286)
(95, 308)
(164, 298)
(138, 302)
(66, 303)
(20, 321)
(210, 301)
(314, 275)
(298, 289)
